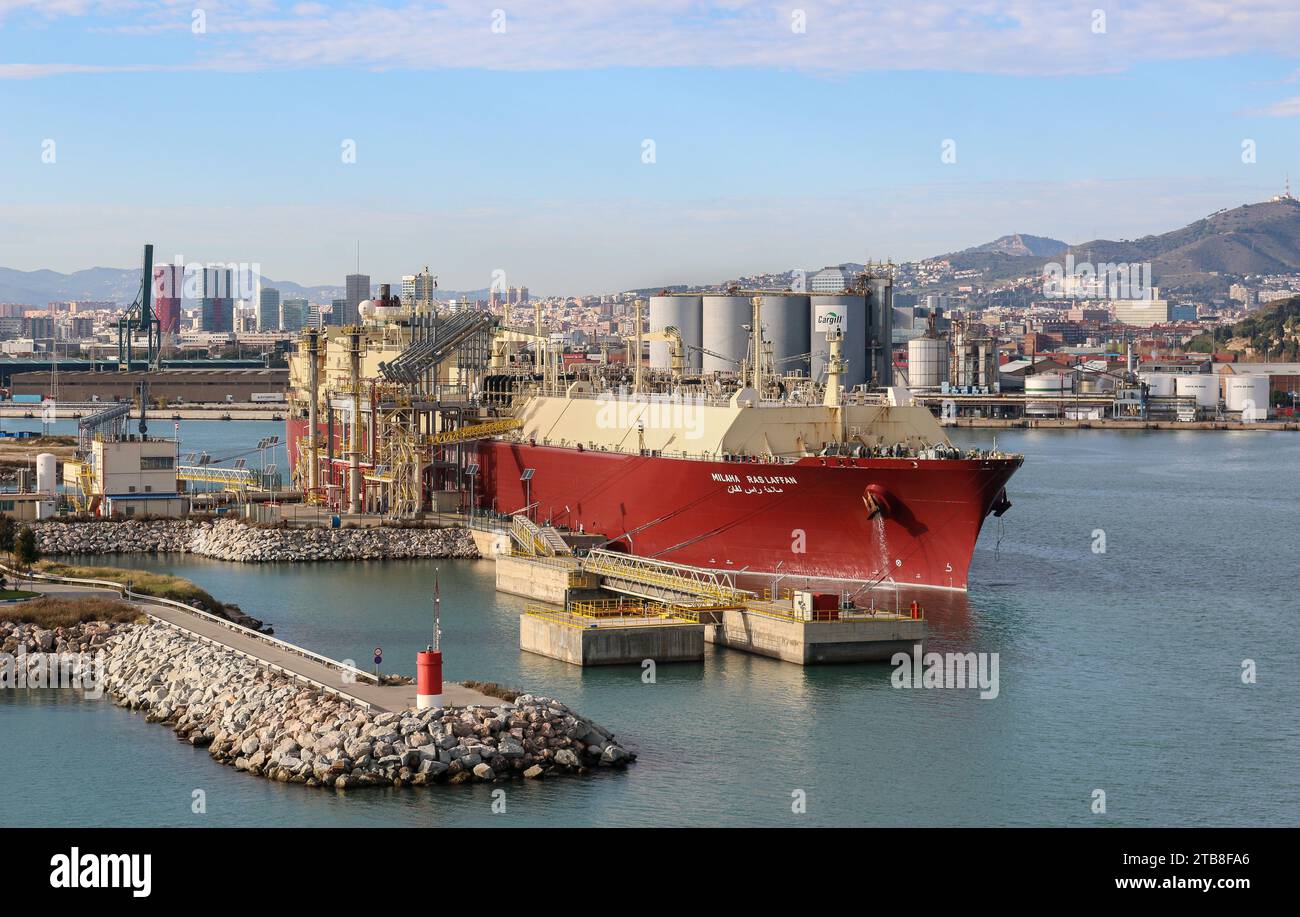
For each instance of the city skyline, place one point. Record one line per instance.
(870, 134)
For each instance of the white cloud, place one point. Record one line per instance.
(1287, 108)
(988, 36)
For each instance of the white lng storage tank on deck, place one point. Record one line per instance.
(684, 314)
(723, 320)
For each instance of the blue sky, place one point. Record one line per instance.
(522, 149)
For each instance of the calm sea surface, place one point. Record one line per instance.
(1119, 671)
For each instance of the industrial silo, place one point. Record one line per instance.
(786, 322)
(723, 320)
(1247, 394)
(846, 313)
(880, 333)
(682, 313)
(927, 363)
(1201, 386)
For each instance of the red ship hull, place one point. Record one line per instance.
(813, 518)
(910, 521)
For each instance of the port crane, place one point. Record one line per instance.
(140, 317)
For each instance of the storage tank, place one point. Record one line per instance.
(927, 363)
(1093, 384)
(683, 313)
(1055, 384)
(786, 322)
(1159, 385)
(723, 320)
(1202, 386)
(848, 312)
(1247, 394)
(47, 473)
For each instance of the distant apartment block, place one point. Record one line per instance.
(830, 280)
(1141, 313)
(418, 290)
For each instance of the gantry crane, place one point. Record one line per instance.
(140, 317)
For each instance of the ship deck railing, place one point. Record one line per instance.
(737, 458)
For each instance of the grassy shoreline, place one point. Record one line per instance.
(159, 585)
(53, 612)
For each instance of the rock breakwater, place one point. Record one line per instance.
(230, 539)
(271, 726)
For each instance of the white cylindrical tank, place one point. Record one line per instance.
(848, 312)
(1046, 384)
(786, 321)
(1201, 386)
(47, 473)
(723, 319)
(927, 362)
(684, 314)
(1159, 385)
(1247, 394)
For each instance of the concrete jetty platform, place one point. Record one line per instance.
(558, 580)
(771, 629)
(666, 612)
(337, 678)
(610, 633)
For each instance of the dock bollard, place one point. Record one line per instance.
(428, 670)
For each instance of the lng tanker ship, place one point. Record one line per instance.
(876, 493)
(821, 483)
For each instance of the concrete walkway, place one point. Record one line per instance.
(249, 644)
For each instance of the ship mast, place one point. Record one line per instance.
(756, 333)
(834, 374)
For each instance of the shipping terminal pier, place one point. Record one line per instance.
(611, 608)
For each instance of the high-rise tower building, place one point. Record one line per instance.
(418, 291)
(216, 314)
(294, 314)
(168, 288)
(357, 290)
(268, 309)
